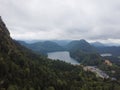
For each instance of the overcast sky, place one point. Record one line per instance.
(94, 20)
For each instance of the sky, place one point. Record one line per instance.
(93, 20)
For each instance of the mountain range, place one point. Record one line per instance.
(50, 46)
(22, 69)
(79, 50)
(57, 45)
(43, 47)
(98, 44)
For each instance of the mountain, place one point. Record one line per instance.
(84, 53)
(104, 48)
(112, 44)
(23, 43)
(7, 45)
(81, 45)
(97, 44)
(44, 47)
(80, 50)
(114, 50)
(62, 42)
(21, 69)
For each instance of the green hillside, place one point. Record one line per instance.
(84, 53)
(21, 69)
(81, 45)
(43, 47)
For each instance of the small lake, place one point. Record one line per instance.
(106, 54)
(63, 56)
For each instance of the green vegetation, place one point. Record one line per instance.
(114, 50)
(21, 69)
(80, 45)
(84, 53)
(113, 59)
(113, 71)
(93, 59)
(43, 47)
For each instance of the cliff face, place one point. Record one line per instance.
(7, 45)
(14, 59)
(3, 30)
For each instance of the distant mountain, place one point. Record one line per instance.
(79, 50)
(114, 50)
(97, 44)
(113, 59)
(80, 45)
(44, 47)
(83, 52)
(23, 43)
(21, 69)
(112, 44)
(62, 42)
(107, 48)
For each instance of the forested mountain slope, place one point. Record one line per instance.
(20, 69)
(81, 45)
(83, 52)
(43, 47)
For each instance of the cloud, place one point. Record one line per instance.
(62, 19)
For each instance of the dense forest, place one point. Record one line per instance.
(21, 69)
(114, 50)
(84, 53)
(81, 50)
(43, 47)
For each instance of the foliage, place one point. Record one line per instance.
(21, 69)
(114, 50)
(43, 47)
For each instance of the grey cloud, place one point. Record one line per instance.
(62, 19)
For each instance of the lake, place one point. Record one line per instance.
(63, 56)
(106, 54)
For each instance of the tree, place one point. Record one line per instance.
(50, 88)
(12, 87)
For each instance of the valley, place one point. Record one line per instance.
(59, 44)
(25, 66)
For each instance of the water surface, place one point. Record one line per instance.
(62, 55)
(106, 54)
